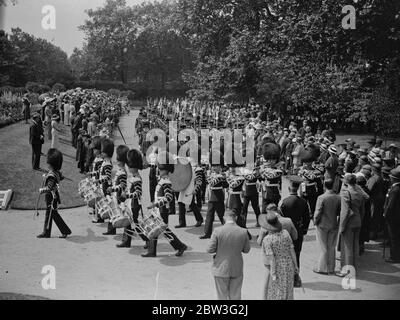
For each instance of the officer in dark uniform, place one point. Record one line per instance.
(296, 208)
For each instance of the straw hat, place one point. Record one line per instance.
(270, 222)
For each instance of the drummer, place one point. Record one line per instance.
(134, 191)
(164, 197)
(95, 172)
(107, 151)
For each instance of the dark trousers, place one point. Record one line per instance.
(253, 199)
(182, 212)
(297, 247)
(394, 236)
(213, 207)
(36, 152)
(171, 237)
(199, 199)
(126, 238)
(377, 219)
(54, 215)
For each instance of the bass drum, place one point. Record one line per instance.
(182, 175)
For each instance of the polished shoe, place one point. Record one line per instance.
(392, 261)
(320, 272)
(146, 246)
(340, 274)
(63, 236)
(181, 251)
(249, 235)
(148, 255)
(42, 235)
(257, 225)
(109, 233)
(204, 236)
(198, 224)
(123, 245)
(180, 226)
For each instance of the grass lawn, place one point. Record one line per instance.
(16, 168)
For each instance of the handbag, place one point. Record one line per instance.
(297, 281)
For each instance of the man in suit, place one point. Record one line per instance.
(376, 187)
(392, 216)
(326, 216)
(36, 140)
(297, 209)
(228, 243)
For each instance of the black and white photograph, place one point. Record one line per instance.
(175, 150)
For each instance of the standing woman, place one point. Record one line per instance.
(26, 107)
(55, 129)
(279, 260)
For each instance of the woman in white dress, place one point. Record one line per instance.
(55, 129)
(67, 111)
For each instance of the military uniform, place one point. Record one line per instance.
(164, 196)
(106, 182)
(271, 184)
(52, 197)
(309, 187)
(250, 194)
(217, 183)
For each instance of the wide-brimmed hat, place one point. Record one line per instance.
(55, 117)
(270, 222)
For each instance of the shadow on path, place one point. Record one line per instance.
(90, 237)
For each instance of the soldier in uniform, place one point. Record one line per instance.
(50, 189)
(309, 187)
(217, 182)
(95, 172)
(271, 176)
(187, 197)
(251, 194)
(163, 199)
(134, 161)
(107, 151)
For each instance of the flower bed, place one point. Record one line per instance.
(11, 108)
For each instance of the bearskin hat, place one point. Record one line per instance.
(271, 151)
(96, 143)
(55, 159)
(122, 151)
(165, 161)
(134, 159)
(107, 147)
(310, 153)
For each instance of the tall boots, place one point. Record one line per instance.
(126, 240)
(152, 249)
(111, 231)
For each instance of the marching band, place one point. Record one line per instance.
(210, 177)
